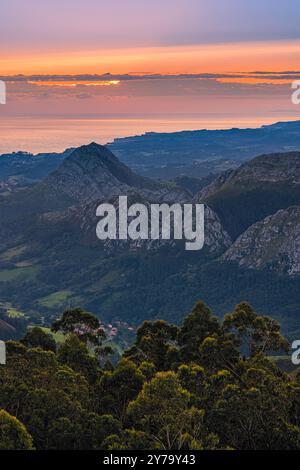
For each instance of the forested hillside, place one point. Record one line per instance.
(206, 384)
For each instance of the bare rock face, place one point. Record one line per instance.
(216, 237)
(85, 175)
(92, 173)
(83, 220)
(273, 243)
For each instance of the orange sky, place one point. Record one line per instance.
(232, 57)
(215, 44)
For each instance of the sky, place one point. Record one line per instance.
(82, 58)
(67, 36)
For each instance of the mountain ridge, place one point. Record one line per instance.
(255, 190)
(50, 256)
(89, 173)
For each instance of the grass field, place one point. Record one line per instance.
(56, 299)
(59, 337)
(13, 313)
(7, 275)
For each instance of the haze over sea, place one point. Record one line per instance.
(50, 134)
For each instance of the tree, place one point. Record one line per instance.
(36, 337)
(13, 434)
(153, 342)
(148, 370)
(162, 411)
(49, 398)
(209, 395)
(255, 333)
(87, 328)
(92, 430)
(108, 426)
(117, 388)
(197, 326)
(84, 324)
(254, 413)
(194, 379)
(129, 439)
(219, 352)
(76, 355)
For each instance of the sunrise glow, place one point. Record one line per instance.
(158, 66)
(233, 57)
(68, 84)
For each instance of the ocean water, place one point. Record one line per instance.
(50, 134)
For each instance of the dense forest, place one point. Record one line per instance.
(207, 384)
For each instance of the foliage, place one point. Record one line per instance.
(118, 387)
(153, 343)
(256, 333)
(206, 384)
(13, 434)
(85, 325)
(36, 337)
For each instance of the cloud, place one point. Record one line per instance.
(147, 93)
(85, 78)
(89, 86)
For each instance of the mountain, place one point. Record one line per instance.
(193, 185)
(255, 190)
(92, 172)
(89, 173)
(273, 244)
(50, 257)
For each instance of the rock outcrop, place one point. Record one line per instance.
(273, 243)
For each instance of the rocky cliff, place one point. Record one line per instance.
(273, 243)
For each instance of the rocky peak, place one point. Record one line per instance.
(273, 243)
(93, 173)
(95, 158)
